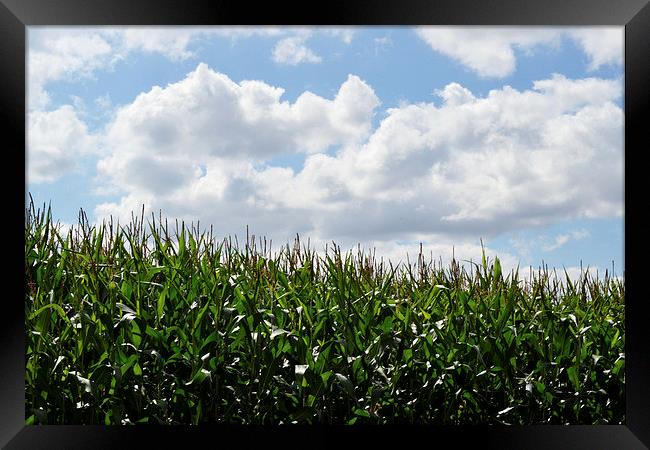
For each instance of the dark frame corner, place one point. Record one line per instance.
(16, 15)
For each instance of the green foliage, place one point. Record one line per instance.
(134, 325)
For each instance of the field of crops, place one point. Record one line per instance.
(144, 324)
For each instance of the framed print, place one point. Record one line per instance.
(334, 223)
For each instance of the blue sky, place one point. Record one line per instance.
(387, 136)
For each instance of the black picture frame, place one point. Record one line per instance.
(16, 15)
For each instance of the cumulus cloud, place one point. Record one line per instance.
(222, 117)
(167, 133)
(293, 51)
(509, 159)
(490, 51)
(467, 168)
(56, 140)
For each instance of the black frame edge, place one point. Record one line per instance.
(637, 106)
(12, 116)
(344, 12)
(15, 15)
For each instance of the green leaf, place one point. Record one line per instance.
(199, 377)
(160, 307)
(615, 339)
(128, 364)
(53, 306)
(196, 328)
(136, 334)
(408, 355)
(573, 376)
(387, 325)
(326, 376)
(208, 340)
(362, 413)
(497, 270)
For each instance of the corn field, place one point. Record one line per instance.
(142, 323)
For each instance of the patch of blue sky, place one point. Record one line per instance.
(72, 192)
(542, 61)
(296, 162)
(251, 59)
(402, 70)
(598, 243)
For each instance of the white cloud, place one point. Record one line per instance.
(562, 239)
(485, 164)
(167, 132)
(55, 54)
(171, 43)
(293, 51)
(603, 45)
(56, 140)
(471, 167)
(490, 51)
